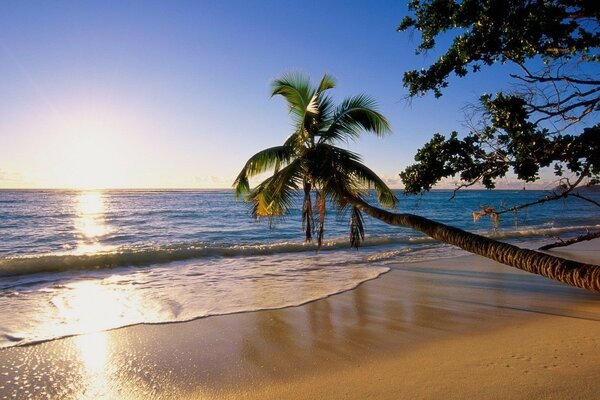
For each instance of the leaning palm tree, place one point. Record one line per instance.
(310, 160)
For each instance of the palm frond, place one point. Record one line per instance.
(325, 164)
(313, 106)
(352, 117)
(341, 172)
(297, 141)
(272, 157)
(297, 90)
(327, 82)
(306, 102)
(326, 109)
(275, 195)
(368, 179)
(357, 228)
(318, 110)
(307, 217)
(322, 208)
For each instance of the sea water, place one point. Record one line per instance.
(74, 262)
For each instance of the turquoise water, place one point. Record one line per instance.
(74, 262)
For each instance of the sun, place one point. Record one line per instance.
(92, 161)
(90, 151)
(98, 146)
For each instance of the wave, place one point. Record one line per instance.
(540, 231)
(162, 254)
(145, 256)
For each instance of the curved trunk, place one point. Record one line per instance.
(586, 276)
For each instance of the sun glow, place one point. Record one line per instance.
(92, 159)
(90, 147)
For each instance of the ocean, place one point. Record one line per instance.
(75, 262)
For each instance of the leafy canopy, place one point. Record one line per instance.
(489, 31)
(540, 121)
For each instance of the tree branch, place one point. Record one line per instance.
(551, 197)
(585, 199)
(563, 243)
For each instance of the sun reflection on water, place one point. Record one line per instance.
(89, 308)
(90, 222)
(93, 352)
(94, 305)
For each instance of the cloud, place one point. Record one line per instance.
(393, 182)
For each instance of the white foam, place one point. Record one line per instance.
(179, 291)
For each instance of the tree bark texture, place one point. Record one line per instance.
(574, 273)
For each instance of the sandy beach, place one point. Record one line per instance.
(452, 328)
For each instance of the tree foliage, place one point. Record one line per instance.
(548, 118)
(310, 160)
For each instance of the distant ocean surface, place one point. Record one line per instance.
(75, 262)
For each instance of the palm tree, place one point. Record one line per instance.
(309, 160)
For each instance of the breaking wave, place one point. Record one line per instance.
(144, 256)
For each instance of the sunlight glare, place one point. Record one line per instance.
(93, 351)
(91, 306)
(91, 147)
(96, 366)
(90, 223)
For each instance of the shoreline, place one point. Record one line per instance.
(34, 343)
(426, 329)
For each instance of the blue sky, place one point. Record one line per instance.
(175, 93)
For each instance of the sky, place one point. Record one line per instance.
(175, 94)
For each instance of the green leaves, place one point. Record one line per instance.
(521, 131)
(306, 103)
(352, 117)
(275, 195)
(296, 90)
(272, 157)
(357, 228)
(308, 159)
(490, 31)
(509, 142)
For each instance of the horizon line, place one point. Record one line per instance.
(227, 189)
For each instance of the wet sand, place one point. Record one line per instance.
(452, 328)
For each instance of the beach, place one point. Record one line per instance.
(254, 200)
(462, 327)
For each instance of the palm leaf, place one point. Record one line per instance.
(327, 82)
(297, 91)
(369, 179)
(322, 208)
(275, 195)
(352, 117)
(306, 103)
(272, 157)
(307, 217)
(341, 173)
(357, 228)
(325, 164)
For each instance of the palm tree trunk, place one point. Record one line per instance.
(574, 273)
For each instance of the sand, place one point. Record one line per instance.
(451, 328)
